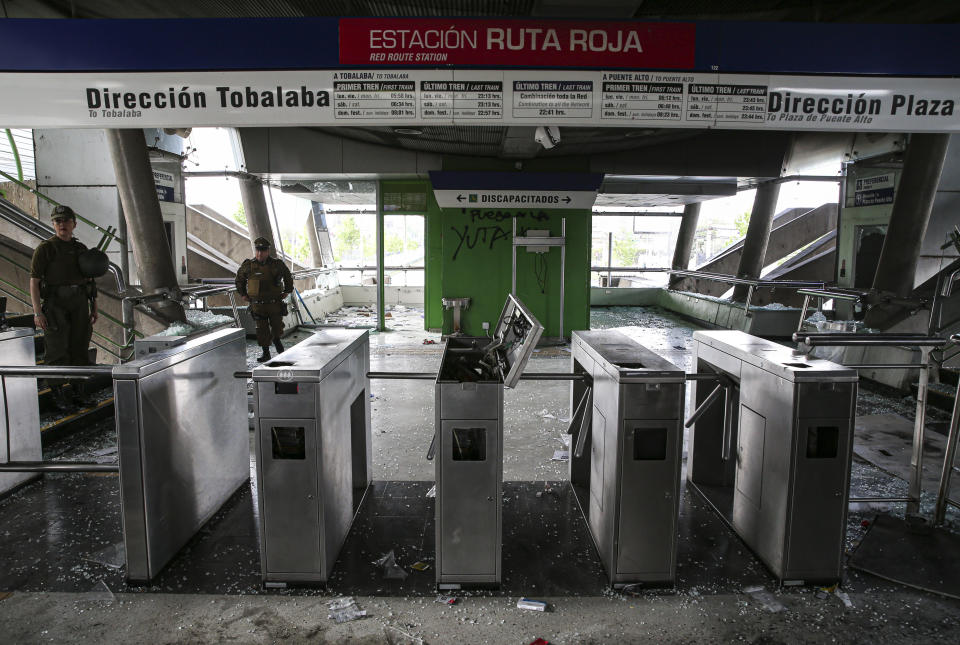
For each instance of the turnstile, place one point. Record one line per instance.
(777, 465)
(626, 454)
(19, 415)
(469, 444)
(313, 451)
(183, 443)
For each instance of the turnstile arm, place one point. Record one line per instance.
(587, 419)
(726, 449)
(577, 417)
(726, 386)
(432, 450)
(701, 410)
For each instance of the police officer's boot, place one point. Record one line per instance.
(59, 398)
(80, 398)
(265, 356)
(278, 345)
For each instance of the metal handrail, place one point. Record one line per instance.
(847, 339)
(634, 269)
(751, 284)
(13, 295)
(57, 371)
(16, 154)
(757, 283)
(27, 303)
(949, 456)
(83, 219)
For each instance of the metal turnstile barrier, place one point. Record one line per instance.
(775, 460)
(626, 454)
(469, 440)
(313, 452)
(20, 430)
(183, 443)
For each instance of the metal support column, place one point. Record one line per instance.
(912, 204)
(758, 235)
(255, 210)
(916, 457)
(141, 210)
(381, 288)
(688, 230)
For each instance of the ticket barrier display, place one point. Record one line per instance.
(183, 445)
(20, 429)
(774, 457)
(313, 452)
(468, 445)
(626, 454)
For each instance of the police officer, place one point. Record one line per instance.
(265, 282)
(64, 302)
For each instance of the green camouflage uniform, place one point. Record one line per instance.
(267, 284)
(66, 295)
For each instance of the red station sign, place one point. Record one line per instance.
(520, 43)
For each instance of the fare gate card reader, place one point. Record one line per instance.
(469, 445)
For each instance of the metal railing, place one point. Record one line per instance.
(42, 231)
(106, 231)
(925, 344)
(54, 371)
(949, 456)
(751, 284)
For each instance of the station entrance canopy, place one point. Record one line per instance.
(463, 71)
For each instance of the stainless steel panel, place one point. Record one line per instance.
(126, 402)
(469, 497)
(634, 482)
(580, 363)
(818, 506)
(625, 359)
(826, 399)
(193, 443)
(750, 456)
(306, 504)
(788, 507)
(311, 360)
(275, 399)
(770, 356)
(19, 410)
(338, 391)
(600, 521)
(290, 515)
(469, 400)
(653, 401)
(762, 522)
(720, 360)
(163, 359)
(649, 500)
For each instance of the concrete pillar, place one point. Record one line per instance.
(922, 166)
(316, 256)
(141, 211)
(758, 234)
(688, 230)
(255, 209)
(897, 266)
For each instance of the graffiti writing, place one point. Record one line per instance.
(477, 215)
(482, 235)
